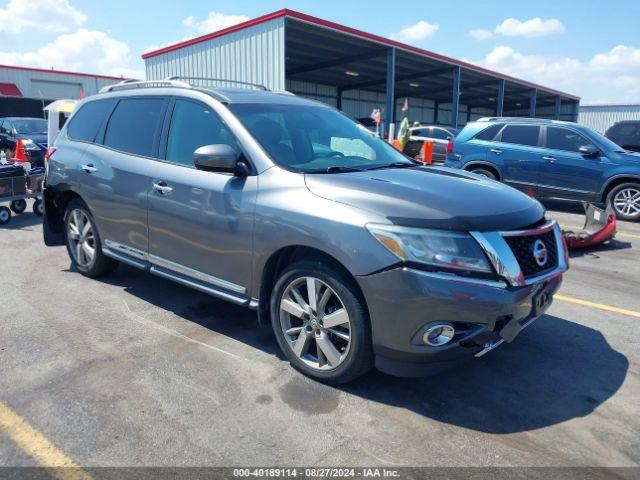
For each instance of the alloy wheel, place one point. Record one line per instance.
(315, 323)
(627, 201)
(81, 238)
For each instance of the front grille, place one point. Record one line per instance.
(522, 248)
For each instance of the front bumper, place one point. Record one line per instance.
(402, 301)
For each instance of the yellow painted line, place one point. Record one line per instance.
(577, 229)
(599, 306)
(35, 444)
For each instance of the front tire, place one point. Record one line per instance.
(484, 172)
(625, 201)
(83, 241)
(320, 322)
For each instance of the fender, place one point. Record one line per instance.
(610, 180)
(488, 164)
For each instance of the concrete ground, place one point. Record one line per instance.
(134, 370)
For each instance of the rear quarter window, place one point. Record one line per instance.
(87, 121)
(488, 133)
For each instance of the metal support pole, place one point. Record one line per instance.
(468, 113)
(455, 98)
(391, 80)
(500, 106)
(556, 109)
(436, 107)
(532, 103)
(576, 109)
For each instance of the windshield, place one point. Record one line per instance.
(30, 125)
(315, 139)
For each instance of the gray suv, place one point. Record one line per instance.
(352, 252)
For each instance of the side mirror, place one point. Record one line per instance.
(589, 151)
(220, 158)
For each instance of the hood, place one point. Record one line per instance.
(628, 155)
(431, 198)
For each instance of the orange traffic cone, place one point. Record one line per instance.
(396, 144)
(20, 156)
(427, 153)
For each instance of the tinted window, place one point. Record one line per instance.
(565, 139)
(87, 121)
(521, 135)
(625, 129)
(194, 125)
(440, 134)
(133, 125)
(490, 133)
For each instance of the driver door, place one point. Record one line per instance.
(200, 223)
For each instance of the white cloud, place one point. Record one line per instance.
(621, 57)
(512, 27)
(599, 80)
(535, 27)
(417, 31)
(90, 51)
(480, 34)
(39, 15)
(215, 21)
(153, 48)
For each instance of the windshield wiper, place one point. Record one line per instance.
(336, 169)
(395, 165)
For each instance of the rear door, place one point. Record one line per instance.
(517, 149)
(200, 223)
(116, 173)
(566, 172)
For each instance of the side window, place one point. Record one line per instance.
(87, 121)
(194, 125)
(440, 134)
(489, 133)
(565, 139)
(133, 125)
(521, 135)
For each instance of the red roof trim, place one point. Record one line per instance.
(60, 72)
(353, 31)
(10, 90)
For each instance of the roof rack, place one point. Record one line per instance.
(526, 119)
(131, 84)
(236, 82)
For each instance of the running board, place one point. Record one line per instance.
(121, 257)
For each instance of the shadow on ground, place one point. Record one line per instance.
(554, 371)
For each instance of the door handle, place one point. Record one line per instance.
(88, 168)
(549, 159)
(162, 188)
(497, 151)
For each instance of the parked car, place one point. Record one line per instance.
(32, 131)
(438, 134)
(626, 134)
(549, 158)
(352, 252)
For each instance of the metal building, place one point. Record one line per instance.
(25, 91)
(601, 117)
(356, 72)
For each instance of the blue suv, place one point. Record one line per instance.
(549, 158)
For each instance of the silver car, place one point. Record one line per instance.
(353, 253)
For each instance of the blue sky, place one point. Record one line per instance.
(578, 47)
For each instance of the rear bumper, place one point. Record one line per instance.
(403, 301)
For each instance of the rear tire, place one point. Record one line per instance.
(485, 172)
(330, 343)
(625, 201)
(5, 215)
(83, 241)
(18, 206)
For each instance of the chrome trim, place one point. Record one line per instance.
(159, 271)
(451, 277)
(190, 272)
(254, 303)
(125, 259)
(488, 347)
(126, 249)
(505, 262)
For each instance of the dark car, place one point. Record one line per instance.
(32, 131)
(438, 134)
(626, 134)
(550, 158)
(354, 254)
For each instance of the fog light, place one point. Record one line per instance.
(438, 334)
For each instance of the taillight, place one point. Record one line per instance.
(450, 146)
(50, 151)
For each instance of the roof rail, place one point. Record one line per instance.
(237, 82)
(131, 84)
(526, 119)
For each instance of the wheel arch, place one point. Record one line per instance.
(613, 182)
(55, 202)
(283, 257)
(489, 166)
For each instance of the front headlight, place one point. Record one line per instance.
(438, 248)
